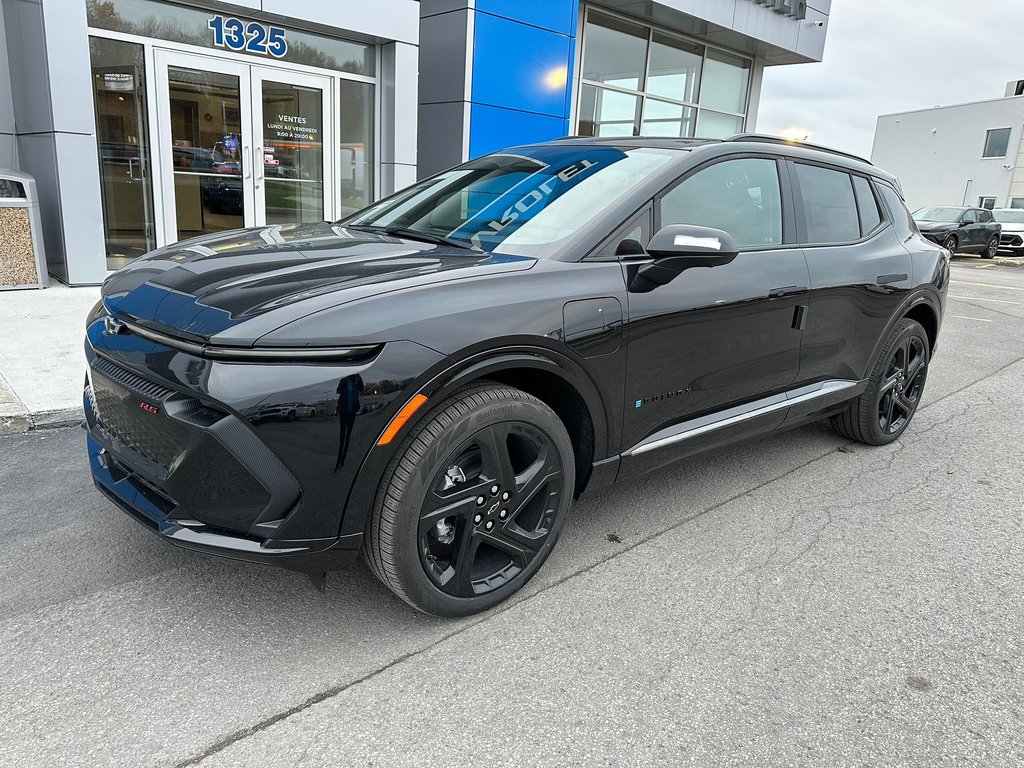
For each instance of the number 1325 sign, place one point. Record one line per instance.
(229, 32)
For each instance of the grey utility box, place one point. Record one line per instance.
(22, 259)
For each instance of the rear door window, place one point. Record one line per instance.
(830, 211)
(741, 197)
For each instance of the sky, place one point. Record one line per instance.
(884, 56)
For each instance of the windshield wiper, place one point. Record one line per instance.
(414, 234)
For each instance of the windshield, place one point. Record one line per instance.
(1009, 215)
(525, 204)
(938, 214)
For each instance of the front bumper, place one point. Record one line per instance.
(251, 461)
(937, 236)
(1011, 240)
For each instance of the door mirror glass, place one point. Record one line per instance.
(679, 247)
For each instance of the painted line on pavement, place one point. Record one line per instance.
(979, 319)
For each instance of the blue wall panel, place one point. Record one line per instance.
(523, 53)
(556, 15)
(519, 66)
(494, 128)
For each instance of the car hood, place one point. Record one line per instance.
(1013, 227)
(234, 287)
(932, 226)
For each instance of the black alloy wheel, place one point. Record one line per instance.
(490, 509)
(950, 244)
(991, 248)
(894, 389)
(901, 390)
(473, 501)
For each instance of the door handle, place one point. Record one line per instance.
(246, 159)
(789, 290)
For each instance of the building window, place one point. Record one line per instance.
(997, 141)
(1017, 202)
(987, 203)
(638, 81)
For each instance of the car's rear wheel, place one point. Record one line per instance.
(473, 502)
(991, 248)
(951, 244)
(883, 412)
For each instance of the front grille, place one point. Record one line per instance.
(118, 396)
(1014, 240)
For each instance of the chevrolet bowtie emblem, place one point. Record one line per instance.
(112, 326)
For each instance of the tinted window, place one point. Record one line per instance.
(829, 208)
(870, 218)
(996, 142)
(905, 225)
(984, 216)
(969, 217)
(739, 196)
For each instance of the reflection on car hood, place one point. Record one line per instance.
(252, 281)
(933, 225)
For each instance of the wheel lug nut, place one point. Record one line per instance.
(494, 490)
(480, 501)
(503, 514)
(477, 518)
(490, 524)
(505, 496)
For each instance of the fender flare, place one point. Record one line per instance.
(914, 299)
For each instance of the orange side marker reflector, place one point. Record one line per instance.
(400, 418)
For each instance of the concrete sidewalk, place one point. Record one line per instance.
(41, 360)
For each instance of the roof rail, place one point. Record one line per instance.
(779, 140)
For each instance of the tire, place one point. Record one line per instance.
(951, 244)
(431, 540)
(895, 387)
(991, 248)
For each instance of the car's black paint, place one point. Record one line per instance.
(618, 364)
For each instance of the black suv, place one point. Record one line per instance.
(960, 230)
(434, 380)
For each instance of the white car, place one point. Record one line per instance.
(1012, 237)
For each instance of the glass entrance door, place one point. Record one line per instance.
(240, 145)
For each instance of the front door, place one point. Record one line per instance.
(240, 145)
(715, 339)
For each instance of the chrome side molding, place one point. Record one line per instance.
(738, 414)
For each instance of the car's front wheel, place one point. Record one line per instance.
(951, 244)
(473, 502)
(991, 248)
(882, 413)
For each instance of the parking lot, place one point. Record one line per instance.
(793, 600)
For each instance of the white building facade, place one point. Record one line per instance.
(964, 154)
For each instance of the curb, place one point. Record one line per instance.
(1017, 262)
(18, 421)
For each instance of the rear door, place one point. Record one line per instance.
(859, 271)
(720, 337)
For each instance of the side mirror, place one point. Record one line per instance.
(679, 247)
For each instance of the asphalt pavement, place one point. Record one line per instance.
(781, 602)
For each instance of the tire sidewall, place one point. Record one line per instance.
(414, 580)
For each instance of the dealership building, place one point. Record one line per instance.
(960, 154)
(147, 122)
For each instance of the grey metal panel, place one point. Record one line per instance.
(444, 57)
(442, 139)
(431, 7)
(6, 104)
(811, 42)
(395, 176)
(81, 214)
(67, 66)
(26, 46)
(383, 19)
(399, 102)
(8, 151)
(936, 153)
